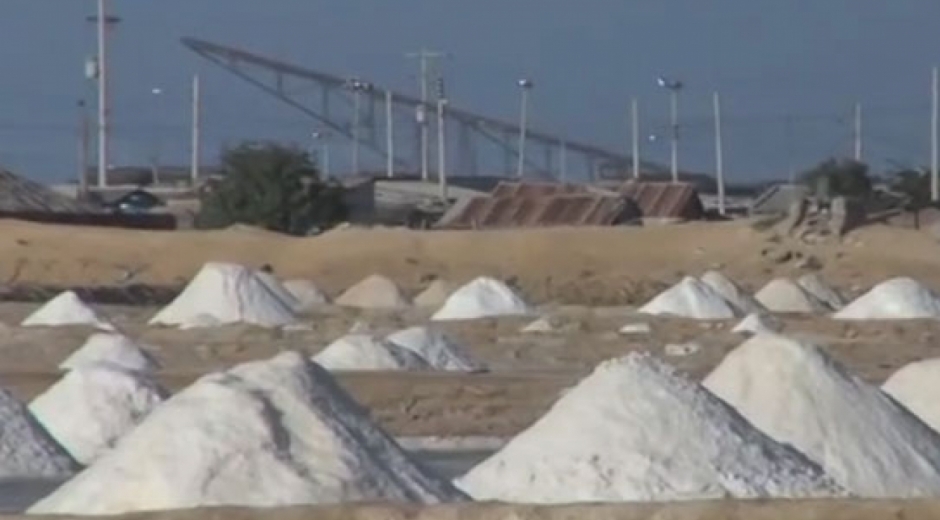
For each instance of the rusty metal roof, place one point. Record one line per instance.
(558, 210)
(536, 189)
(665, 199)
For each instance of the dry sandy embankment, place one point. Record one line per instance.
(719, 510)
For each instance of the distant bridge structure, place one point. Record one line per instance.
(329, 100)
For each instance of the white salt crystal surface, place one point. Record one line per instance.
(374, 292)
(364, 352)
(437, 348)
(916, 386)
(895, 299)
(691, 298)
(66, 309)
(484, 297)
(114, 349)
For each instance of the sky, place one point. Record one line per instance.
(789, 72)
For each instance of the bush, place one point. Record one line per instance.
(833, 178)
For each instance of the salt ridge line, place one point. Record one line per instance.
(114, 349)
(364, 352)
(437, 348)
(730, 291)
(863, 439)
(269, 433)
(636, 430)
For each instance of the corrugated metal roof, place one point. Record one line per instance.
(558, 210)
(536, 189)
(665, 199)
(18, 194)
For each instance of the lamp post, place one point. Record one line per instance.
(525, 85)
(99, 71)
(322, 139)
(674, 87)
(157, 94)
(357, 87)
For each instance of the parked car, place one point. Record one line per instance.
(135, 202)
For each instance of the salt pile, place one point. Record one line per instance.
(28, 451)
(822, 291)
(114, 349)
(438, 349)
(863, 439)
(362, 352)
(635, 430)
(227, 293)
(92, 407)
(755, 323)
(269, 433)
(375, 292)
(729, 290)
(785, 295)
(543, 325)
(275, 286)
(66, 309)
(484, 297)
(307, 294)
(434, 295)
(631, 329)
(916, 386)
(895, 299)
(691, 298)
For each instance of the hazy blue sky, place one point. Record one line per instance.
(808, 59)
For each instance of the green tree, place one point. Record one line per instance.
(914, 184)
(839, 177)
(271, 186)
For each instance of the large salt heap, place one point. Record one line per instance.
(635, 430)
(66, 309)
(822, 291)
(374, 292)
(861, 437)
(270, 433)
(895, 299)
(691, 298)
(484, 297)
(729, 290)
(437, 348)
(227, 293)
(307, 294)
(27, 451)
(362, 352)
(916, 386)
(785, 295)
(113, 349)
(92, 407)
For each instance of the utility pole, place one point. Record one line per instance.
(563, 161)
(196, 143)
(858, 132)
(934, 137)
(389, 136)
(525, 86)
(103, 21)
(357, 87)
(425, 58)
(441, 149)
(719, 155)
(84, 139)
(791, 167)
(674, 87)
(635, 136)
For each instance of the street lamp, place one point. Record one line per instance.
(673, 86)
(157, 94)
(357, 87)
(525, 85)
(99, 72)
(323, 138)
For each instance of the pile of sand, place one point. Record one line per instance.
(756, 323)
(439, 350)
(434, 295)
(895, 299)
(862, 438)
(691, 298)
(268, 433)
(731, 291)
(28, 451)
(364, 352)
(375, 292)
(482, 298)
(307, 294)
(92, 407)
(916, 386)
(822, 291)
(113, 349)
(543, 325)
(228, 293)
(785, 295)
(66, 309)
(635, 430)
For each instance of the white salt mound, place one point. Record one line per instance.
(434, 295)
(862, 438)
(635, 430)
(484, 297)
(114, 349)
(275, 286)
(227, 293)
(28, 451)
(635, 329)
(92, 407)
(729, 290)
(895, 299)
(755, 323)
(375, 292)
(363, 352)
(916, 386)
(691, 298)
(543, 325)
(822, 291)
(785, 295)
(269, 433)
(439, 350)
(66, 309)
(307, 294)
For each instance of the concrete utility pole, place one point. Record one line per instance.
(84, 139)
(635, 136)
(425, 58)
(719, 155)
(934, 137)
(357, 87)
(563, 161)
(858, 132)
(389, 136)
(196, 143)
(323, 139)
(674, 87)
(441, 149)
(525, 86)
(103, 21)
